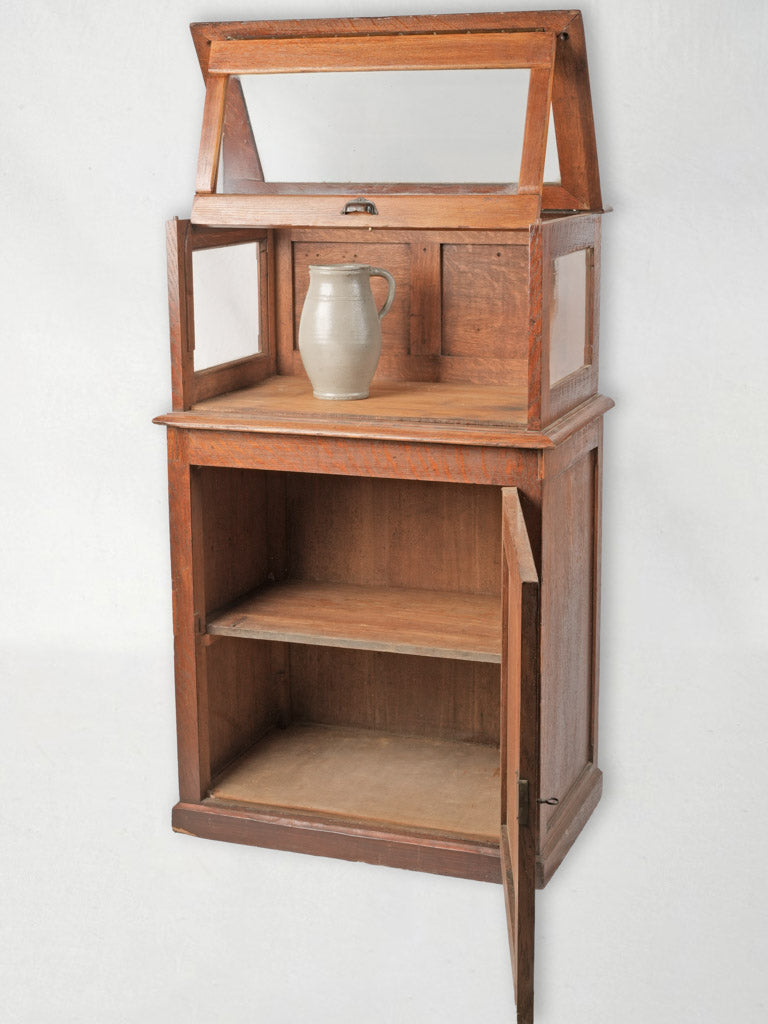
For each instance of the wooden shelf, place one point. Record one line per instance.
(401, 401)
(405, 621)
(408, 782)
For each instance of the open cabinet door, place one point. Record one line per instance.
(519, 744)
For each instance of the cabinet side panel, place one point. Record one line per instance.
(241, 548)
(396, 693)
(246, 696)
(395, 533)
(569, 579)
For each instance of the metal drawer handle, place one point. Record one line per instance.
(360, 205)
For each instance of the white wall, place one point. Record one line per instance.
(659, 913)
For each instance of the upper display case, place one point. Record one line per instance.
(358, 122)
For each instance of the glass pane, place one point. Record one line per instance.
(226, 302)
(568, 318)
(391, 126)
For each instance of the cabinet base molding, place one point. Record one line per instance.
(571, 817)
(460, 859)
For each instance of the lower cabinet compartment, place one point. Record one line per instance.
(406, 782)
(369, 738)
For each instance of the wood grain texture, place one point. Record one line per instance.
(180, 313)
(252, 186)
(364, 456)
(520, 745)
(574, 122)
(203, 33)
(422, 622)
(425, 327)
(245, 699)
(202, 237)
(535, 315)
(372, 53)
(534, 153)
(490, 212)
(240, 157)
(484, 307)
(388, 403)
(396, 693)
(210, 136)
(394, 533)
(368, 777)
(187, 581)
(568, 631)
(237, 544)
(414, 850)
(583, 797)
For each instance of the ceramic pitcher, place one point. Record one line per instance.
(340, 329)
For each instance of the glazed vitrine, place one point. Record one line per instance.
(386, 611)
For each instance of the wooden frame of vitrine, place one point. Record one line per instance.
(551, 45)
(537, 446)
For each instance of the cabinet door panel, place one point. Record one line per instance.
(519, 745)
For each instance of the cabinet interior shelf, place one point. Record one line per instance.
(410, 401)
(416, 783)
(406, 621)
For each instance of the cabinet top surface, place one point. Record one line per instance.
(430, 412)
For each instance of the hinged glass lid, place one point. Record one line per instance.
(445, 119)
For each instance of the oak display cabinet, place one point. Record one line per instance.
(386, 611)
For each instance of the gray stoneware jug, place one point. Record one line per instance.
(340, 329)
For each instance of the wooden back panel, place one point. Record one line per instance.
(460, 312)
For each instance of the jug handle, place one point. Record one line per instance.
(378, 272)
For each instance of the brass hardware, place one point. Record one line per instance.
(360, 205)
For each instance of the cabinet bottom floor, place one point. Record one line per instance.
(415, 802)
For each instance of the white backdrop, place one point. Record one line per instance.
(659, 912)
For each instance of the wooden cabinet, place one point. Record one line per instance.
(386, 611)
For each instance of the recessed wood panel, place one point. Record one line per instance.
(396, 693)
(485, 312)
(568, 580)
(399, 533)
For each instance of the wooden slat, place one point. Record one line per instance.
(373, 53)
(574, 120)
(203, 33)
(180, 312)
(210, 137)
(425, 295)
(395, 211)
(227, 377)
(425, 622)
(435, 785)
(251, 186)
(535, 137)
(519, 745)
(328, 837)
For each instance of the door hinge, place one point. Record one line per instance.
(523, 802)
